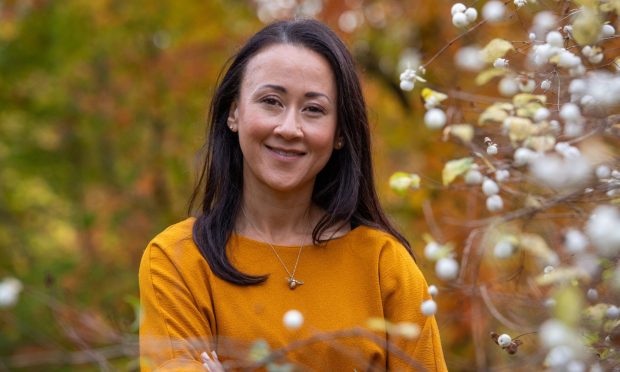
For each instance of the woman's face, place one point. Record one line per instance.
(286, 118)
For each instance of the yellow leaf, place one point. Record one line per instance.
(569, 304)
(407, 330)
(519, 128)
(400, 182)
(494, 114)
(378, 324)
(432, 96)
(537, 246)
(610, 6)
(455, 168)
(496, 48)
(562, 275)
(488, 74)
(464, 132)
(523, 99)
(586, 27)
(529, 110)
(540, 143)
(587, 3)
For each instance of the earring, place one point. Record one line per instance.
(232, 128)
(338, 144)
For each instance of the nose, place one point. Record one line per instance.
(290, 126)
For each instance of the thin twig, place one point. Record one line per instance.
(496, 313)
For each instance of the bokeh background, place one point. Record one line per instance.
(103, 105)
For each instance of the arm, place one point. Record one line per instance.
(173, 330)
(403, 289)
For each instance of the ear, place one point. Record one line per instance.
(338, 143)
(233, 116)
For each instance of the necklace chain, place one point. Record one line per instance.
(292, 282)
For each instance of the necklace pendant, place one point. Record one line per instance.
(293, 283)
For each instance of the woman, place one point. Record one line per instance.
(289, 219)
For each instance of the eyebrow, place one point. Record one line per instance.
(282, 89)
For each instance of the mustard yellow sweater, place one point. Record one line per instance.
(363, 275)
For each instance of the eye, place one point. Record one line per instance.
(271, 101)
(315, 110)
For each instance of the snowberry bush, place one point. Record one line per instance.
(543, 158)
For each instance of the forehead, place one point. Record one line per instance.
(292, 65)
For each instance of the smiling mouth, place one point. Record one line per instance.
(286, 153)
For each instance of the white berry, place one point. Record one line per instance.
(489, 187)
(501, 175)
(596, 58)
(495, 203)
(428, 307)
(603, 171)
(554, 38)
(575, 241)
(508, 87)
(519, 3)
(523, 156)
(447, 268)
(541, 114)
(492, 149)
(545, 84)
(503, 249)
(608, 30)
(527, 86)
(592, 294)
(500, 63)
(406, 85)
(432, 290)
(570, 112)
(293, 319)
(432, 250)
(548, 269)
(613, 312)
(473, 177)
(504, 340)
(459, 20)
(493, 11)
(532, 36)
(457, 8)
(471, 14)
(435, 118)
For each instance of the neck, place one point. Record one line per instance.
(278, 218)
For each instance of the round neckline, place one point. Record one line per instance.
(254, 241)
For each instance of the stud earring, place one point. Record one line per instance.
(338, 145)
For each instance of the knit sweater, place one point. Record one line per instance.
(350, 281)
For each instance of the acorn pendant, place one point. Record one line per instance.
(293, 283)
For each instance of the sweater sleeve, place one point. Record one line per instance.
(173, 330)
(403, 289)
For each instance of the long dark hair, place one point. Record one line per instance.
(344, 188)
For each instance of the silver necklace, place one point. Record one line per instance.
(292, 282)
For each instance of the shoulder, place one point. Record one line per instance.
(378, 240)
(174, 244)
(175, 234)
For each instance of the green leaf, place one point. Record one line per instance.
(455, 168)
(496, 48)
